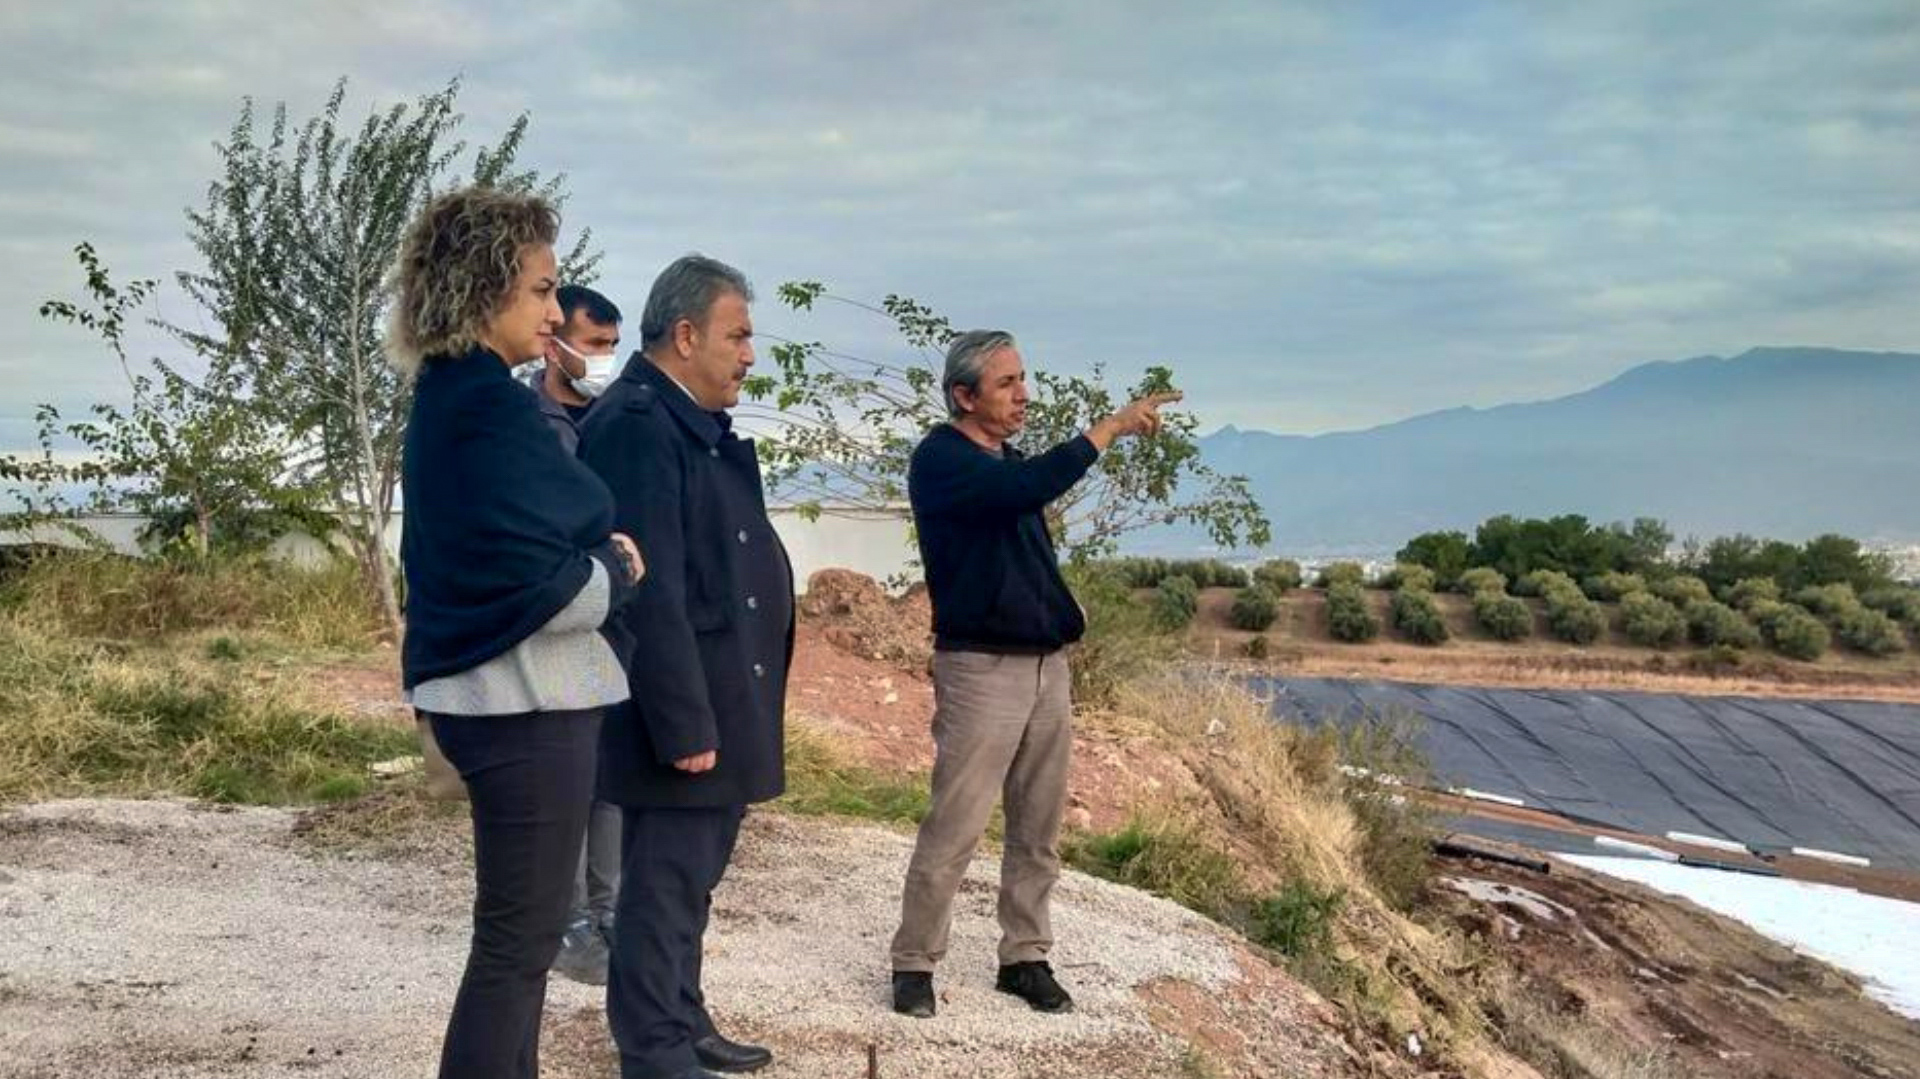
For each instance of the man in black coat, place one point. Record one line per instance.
(706, 640)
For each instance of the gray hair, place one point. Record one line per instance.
(687, 290)
(967, 356)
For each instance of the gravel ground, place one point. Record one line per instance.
(165, 938)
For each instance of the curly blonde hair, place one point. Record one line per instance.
(458, 263)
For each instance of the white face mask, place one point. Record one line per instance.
(600, 370)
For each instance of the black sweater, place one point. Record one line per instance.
(992, 572)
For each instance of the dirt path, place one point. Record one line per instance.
(167, 938)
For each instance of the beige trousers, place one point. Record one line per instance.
(1002, 727)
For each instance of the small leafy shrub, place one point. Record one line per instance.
(1408, 576)
(1279, 575)
(1683, 590)
(1791, 630)
(1652, 622)
(1613, 587)
(1751, 590)
(1417, 617)
(1348, 618)
(1711, 622)
(1175, 602)
(1501, 616)
(1254, 609)
(1482, 579)
(1257, 648)
(1571, 616)
(1827, 600)
(1209, 573)
(1864, 629)
(1899, 604)
(1339, 573)
(1297, 921)
(1541, 581)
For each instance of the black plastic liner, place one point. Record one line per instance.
(1840, 776)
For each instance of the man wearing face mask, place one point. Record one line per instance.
(706, 641)
(581, 359)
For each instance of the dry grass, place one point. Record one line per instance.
(1567, 1048)
(144, 677)
(822, 781)
(1282, 809)
(92, 596)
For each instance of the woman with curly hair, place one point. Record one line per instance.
(512, 566)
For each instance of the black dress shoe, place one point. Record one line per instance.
(716, 1053)
(913, 993)
(1033, 983)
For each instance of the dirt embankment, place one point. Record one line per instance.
(1600, 976)
(1696, 993)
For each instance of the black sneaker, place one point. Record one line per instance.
(1033, 983)
(583, 955)
(913, 993)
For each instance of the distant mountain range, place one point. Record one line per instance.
(1782, 442)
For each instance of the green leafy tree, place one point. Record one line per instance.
(1500, 616)
(1417, 616)
(1725, 561)
(1447, 554)
(844, 428)
(1254, 609)
(1712, 623)
(1175, 602)
(1790, 630)
(1572, 616)
(1748, 591)
(1348, 617)
(1409, 575)
(1278, 576)
(296, 238)
(1569, 544)
(1828, 600)
(197, 457)
(1612, 587)
(1651, 621)
(1864, 629)
(1682, 590)
(1481, 579)
(1834, 559)
(1339, 573)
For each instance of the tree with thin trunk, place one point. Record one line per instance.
(298, 235)
(842, 429)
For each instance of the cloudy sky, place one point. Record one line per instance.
(1323, 215)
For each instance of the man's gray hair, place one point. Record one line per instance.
(967, 357)
(687, 290)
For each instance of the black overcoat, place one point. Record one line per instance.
(708, 636)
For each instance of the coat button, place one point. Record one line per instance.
(742, 536)
(759, 671)
(713, 451)
(753, 603)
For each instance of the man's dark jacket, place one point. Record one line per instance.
(708, 635)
